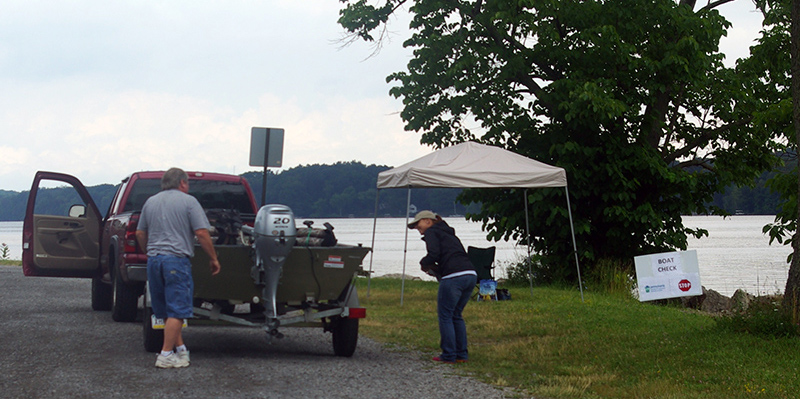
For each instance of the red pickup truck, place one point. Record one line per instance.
(267, 281)
(80, 242)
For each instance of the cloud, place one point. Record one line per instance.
(101, 137)
(100, 89)
(745, 27)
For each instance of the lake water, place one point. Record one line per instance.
(11, 235)
(734, 255)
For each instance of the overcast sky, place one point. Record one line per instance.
(100, 89)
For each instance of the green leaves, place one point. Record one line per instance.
(629, 96)
(592, 100)
(360, 18)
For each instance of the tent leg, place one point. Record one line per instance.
(372, 246)
(528, 235)
(405, 250)
(574, 245)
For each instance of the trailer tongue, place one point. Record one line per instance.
(276, 280)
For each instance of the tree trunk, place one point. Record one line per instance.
(791, 298)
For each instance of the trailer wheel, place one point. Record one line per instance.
(345, 336)
(153, 339)
(125, 300)
(101, 294)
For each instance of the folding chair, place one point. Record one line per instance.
(483, 261)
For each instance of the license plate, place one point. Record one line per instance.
(158, 324)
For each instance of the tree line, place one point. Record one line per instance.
(347, 189)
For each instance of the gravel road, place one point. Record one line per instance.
(52, 345)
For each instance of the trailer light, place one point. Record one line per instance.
(357, 313)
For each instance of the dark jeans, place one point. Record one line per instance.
(453, 296)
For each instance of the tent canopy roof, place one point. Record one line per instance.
(473, 165)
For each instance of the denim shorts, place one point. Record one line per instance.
(171, 286)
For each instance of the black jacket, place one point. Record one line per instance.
(446, 254)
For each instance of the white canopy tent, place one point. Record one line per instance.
(473, 165)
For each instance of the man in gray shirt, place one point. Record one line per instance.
(167, 226)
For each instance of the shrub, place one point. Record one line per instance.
(763, 317)
(517, 272)
(613, 276)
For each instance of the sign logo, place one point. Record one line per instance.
(654, 288)
(684, 285)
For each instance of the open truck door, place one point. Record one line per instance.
(61, 240)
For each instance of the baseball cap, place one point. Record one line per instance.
(420, 216)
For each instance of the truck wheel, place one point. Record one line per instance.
(101, 294)
(345, 336)
(125, 300)
(153, 339)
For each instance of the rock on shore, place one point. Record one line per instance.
(713, 302)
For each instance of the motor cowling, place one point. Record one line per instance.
(275, 220)
(274, 234)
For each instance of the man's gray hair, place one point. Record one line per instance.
(173, 178)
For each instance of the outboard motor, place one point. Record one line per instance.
(274, 236)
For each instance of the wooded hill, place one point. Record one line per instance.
(344, 189)
(347, 189)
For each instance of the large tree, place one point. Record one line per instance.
(791, 297)
(775, 60)
(629, 96)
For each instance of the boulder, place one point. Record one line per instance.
(693, 302)
(714, 302)
(741, 301)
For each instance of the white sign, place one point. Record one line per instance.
(668, 275)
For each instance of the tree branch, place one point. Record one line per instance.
(696, 162)
(706, 136)
(713, 4)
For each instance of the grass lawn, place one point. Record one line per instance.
(552, 345)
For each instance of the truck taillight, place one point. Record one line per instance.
(130, 245)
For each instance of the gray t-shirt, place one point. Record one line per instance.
(170, 219)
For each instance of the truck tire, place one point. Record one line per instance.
(153, 339)
(101, 294)
(345, 336)
(125, 301)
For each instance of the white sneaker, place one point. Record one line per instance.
(171, 361)
(184, 356)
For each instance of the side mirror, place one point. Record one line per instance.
(77, 211)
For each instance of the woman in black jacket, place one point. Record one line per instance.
(449, 263)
